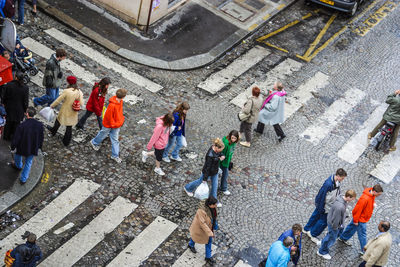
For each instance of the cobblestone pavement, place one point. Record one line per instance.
(273, 185)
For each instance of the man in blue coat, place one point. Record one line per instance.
(28, 254)
(28, 139)
(295, 233)
(279, 253)
(318, 220)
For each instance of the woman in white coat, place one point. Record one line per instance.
(272, 111)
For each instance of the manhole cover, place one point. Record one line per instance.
(236, 11)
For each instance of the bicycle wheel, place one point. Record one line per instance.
(380, 144)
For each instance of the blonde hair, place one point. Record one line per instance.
(218, 143)
(350, 193)
(121, 93)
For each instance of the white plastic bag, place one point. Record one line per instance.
(184, 143)
(47, 113)
(202, 191)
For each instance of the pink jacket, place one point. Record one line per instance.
(160, 135)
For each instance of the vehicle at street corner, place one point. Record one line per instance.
(348, 6)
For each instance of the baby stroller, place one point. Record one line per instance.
(24, 61)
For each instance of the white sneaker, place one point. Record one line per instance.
(176, 159)
(166, 159)
(226, 193)
(159, 171)
(326, 256)
(117, 159)
(144, 156)
(306, 232)
(190, 194)
(314, 239)
(319, 243)
(96, 148)
(219, 205)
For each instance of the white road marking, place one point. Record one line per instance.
(86, 239)
(240, 263)
(278, 73)
(145, 243)
(104, 61)
(333, 115)
(64, 228)
(389, 166)
(218, 80)
(188, 258)
(356, 145)
(52, 214)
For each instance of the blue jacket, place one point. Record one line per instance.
(328, 186)
(28, 138)
(178, 123)
(278, 255)
(290, 233)
(26, 255)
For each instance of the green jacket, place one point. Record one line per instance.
(52, 75)
(227, 152)
(392, 113)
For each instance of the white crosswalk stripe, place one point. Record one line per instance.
(70, 252)
(104, 61)
(218, 80)
(240, 263)
(144, 244)
(188, 258)
(388, 167)
(333, 115)
(52, 214)
(356, 145)
(287, 67)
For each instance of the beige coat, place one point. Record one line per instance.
(67, 116)
(200, 230)
(377, 250)
(247, 108)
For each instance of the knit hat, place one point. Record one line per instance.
(71, 80)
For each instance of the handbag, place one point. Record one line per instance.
(76, 106)
(8, 260)
(243, 116)
(202, 191)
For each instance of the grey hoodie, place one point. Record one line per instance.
(337, 213)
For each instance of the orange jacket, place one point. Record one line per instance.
(362, 212)
(114, 117)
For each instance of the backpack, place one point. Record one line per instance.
(7, 8)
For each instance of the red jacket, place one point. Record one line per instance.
(362, 212)
(96, 102)
(114, 117)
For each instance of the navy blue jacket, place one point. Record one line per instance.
(28, 138)
(178, 123)
(290, 233)
(26, 255)
(328, 186)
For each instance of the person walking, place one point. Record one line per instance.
(329, 191)
(210, 170)
(204, 225)
(279, 253)
(27, 141)
(362, 212)
(336, 217)
(15, 99)
(377, 249)
(272, 111)
(159, 140)
(391, 114)
(67, 116)
(252, 108)
(295, 250)
(28, 254)
(34, 10)
(226, 165)
(95, 103)
(21, 11)
(112, 123)
(52, 79)
(177, 135)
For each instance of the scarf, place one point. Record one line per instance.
(270, 96)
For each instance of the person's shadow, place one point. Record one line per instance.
(8, 175)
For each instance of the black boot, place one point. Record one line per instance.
(210, 261)
(192, 249)
(260, 128)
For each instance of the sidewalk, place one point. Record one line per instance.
(193, 35)
(11, 191)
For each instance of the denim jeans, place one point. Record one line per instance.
(48, 98)
(21, 11)
(87, 114)
(171, 141)
(191, 187)
(317, 223)
(27, 167)
(329, 239)
(224, 179)
(104, 132)
(208, 246)
(361, 230)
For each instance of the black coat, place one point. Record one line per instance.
(15, 100)
(28, 138)
(211, 165)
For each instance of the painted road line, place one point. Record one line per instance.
(52, 214)
(104, 61)
(240, 263)
(389, 166)
(218, 80)
(356, 145)
(284, 69)
(333, 115)
(304, 93)
(145, 243)
(86, 239)
(188, 258)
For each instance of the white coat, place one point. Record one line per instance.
(273, 111)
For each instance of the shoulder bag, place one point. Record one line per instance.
(243, 116)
